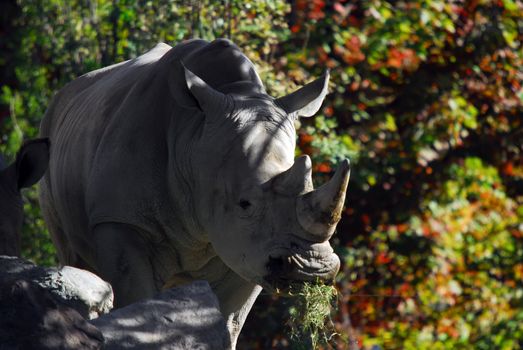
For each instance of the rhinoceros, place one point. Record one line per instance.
(29, 167)
(178, 166)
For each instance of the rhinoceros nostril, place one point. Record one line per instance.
(275, 265)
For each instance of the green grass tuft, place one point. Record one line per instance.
(310, 317)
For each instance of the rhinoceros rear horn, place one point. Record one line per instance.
(320, 210)
(297, 179)
(209, 100)
(306, 101)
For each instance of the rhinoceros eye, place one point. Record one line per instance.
(244, 204)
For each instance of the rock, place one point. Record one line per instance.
(185, 317)
(13, 268)
(82, 290)
(30, 318)
(44, 308)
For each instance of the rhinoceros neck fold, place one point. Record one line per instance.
(184, 135)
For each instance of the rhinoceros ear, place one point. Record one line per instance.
(306, 101)
(209, 100)
(31, 162)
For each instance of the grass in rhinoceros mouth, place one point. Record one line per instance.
(310, 317)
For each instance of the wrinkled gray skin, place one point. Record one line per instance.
(177, 166)
(30, 165)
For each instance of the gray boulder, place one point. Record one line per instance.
(79, 289)
(30, 318)
(185, 317)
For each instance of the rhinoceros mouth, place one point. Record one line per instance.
(300, 262)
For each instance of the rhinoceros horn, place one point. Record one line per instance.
(297, 179)
(320, 210)
(306, 101)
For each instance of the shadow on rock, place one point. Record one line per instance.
(186, 317)
(31, 319)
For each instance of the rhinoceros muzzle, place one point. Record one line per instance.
(299, 262)
(308, 255)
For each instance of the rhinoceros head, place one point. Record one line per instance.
(255, 202)
(29, 167)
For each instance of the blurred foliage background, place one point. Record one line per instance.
(427, 102)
